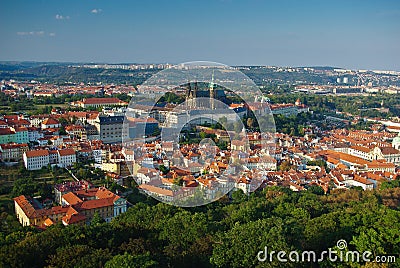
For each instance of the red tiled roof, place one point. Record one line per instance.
(378, 164)
(20, 129)
(48, 222)
(389, 150)
(26, 206)
(361, 148)
(11, 117)
(6, 131)
(104, 193)
(157, 190)
(72, 216)
(101, 101)
(96, 203)
(50, 121)
(65, 152)
(74, 127)
(58, 210)
(362, 180)
(134, 121)
(71, 198)
(93, 115)
(13, 145)
(77, 114)
(37, 153)
(86, 193)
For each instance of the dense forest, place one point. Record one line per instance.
(226, 233)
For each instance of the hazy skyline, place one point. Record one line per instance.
(348, 34)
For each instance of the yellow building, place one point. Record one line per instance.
(77, 208)
(29, 212)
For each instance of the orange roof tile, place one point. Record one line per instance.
(37, 153)
(389, 150)
(157, 190)
(50, 121)
(361, 148)
(65, 152)
(71, 198)
(104, 193)
(96, 203)
(48, 222)
(102, 101)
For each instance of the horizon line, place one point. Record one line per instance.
(164, 63)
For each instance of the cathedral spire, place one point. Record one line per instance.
(212, 91)
(189, 92)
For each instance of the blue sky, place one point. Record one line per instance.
(349, 34)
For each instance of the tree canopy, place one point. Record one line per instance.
(226, 233)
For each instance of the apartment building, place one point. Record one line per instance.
(99, 102)
(13, 151)
(66, 157)
(110, 128)
(35, 160)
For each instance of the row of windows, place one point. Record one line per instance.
(41, 157)
(41, 161)
(112, 128)
(35, 166)
(111, 133)
(106, 135)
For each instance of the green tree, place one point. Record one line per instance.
(96, 220)
(178, 181)
(128, 261)
(181, 235)
(285, 166)
(163, 169)
(390, 184)
(202, 135)
(315, 189)
(239, 246)
(79, 256)
(238, 196)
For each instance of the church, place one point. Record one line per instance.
(197, 98)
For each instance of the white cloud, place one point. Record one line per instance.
(96, 11)
(52, 34)
(31, 33)
(61, 17)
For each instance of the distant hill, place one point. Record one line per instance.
(322, 68)
(65, 72)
